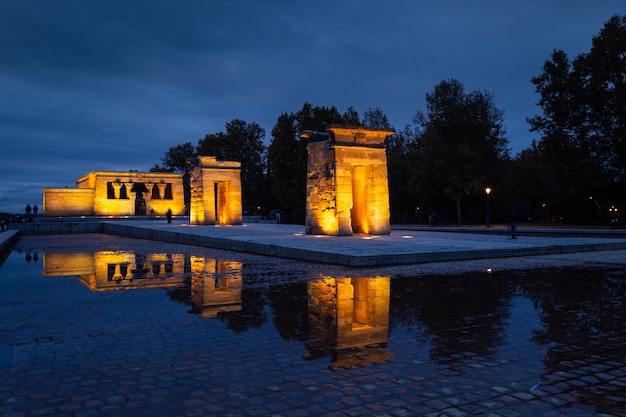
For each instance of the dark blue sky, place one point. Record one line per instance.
(111, 85)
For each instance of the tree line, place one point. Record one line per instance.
(443, 160)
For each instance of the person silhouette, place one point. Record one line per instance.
(35, 210)
(28, 210)
(513, 221)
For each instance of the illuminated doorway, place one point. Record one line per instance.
(360, 308)
(140, 205)
(358, 212)
(221, 203)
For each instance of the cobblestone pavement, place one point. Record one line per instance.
(540, 336)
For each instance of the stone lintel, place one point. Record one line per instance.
(350, 136)
(213, 162)
(313, 136)
(130, 176)
(358, 135)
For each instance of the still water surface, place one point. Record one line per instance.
(198, 332)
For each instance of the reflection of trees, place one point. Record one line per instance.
(581, 311)
(3, 257)
(252, 314)
(289, 307)
(458, 314)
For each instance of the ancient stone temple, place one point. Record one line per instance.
(347, 190)
(215, 192)
(118, 194)
(215, 283)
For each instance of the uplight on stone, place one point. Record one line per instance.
(347, 187)
(215, 192)
(117, 194)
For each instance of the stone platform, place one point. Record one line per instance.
(403, 247)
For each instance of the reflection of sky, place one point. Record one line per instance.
(510, 325)
(523, 321)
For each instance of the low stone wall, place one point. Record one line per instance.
(7, 239)
(57, 227)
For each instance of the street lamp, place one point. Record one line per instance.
(488, 191)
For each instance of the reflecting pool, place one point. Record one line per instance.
(182, 331)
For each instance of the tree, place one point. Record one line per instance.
(462, 143)
(241, 142)
(286, 161)
(175, 160)
(375, 118)
(400, 155)
(351, 117)
(583, 125)
(287, 155)
(534, 184)
(602, 76)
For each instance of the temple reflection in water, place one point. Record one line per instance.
(349, 320)
(215, 284)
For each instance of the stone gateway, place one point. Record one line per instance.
(215, 192)
(347, 189)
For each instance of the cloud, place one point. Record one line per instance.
(96, 84)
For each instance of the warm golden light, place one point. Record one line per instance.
(215, 285)
(347, 185)
(349, 320)
(116, 194)
(488, 190)
(215, 192)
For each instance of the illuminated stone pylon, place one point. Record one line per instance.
(347, 188)
(215, 192)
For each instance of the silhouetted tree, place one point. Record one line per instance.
(403, 201)
(375, 118)
(241, 142)
(461, 144)
(175, 160)
(583, 125)
(287, 155)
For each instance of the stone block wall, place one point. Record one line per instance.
(92, 196)
(68, 202)
(347, 185)
(215, 192)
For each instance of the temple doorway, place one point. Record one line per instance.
(358, 212)
(140, 205)
(221, 202)
(360, 312)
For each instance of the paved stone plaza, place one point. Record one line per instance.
(69, 351)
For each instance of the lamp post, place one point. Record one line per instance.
(488, 191)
